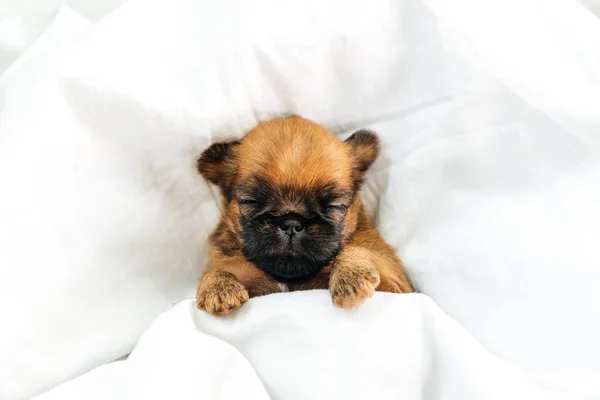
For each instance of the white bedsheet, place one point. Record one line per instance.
(488, 186)
(297, 346)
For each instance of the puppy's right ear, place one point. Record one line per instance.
(217, 164)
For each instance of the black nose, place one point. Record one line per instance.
(291, 227)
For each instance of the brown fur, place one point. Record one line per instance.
(303, 155)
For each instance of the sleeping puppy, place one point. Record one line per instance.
(292, 218)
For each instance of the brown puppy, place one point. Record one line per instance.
(292, 218)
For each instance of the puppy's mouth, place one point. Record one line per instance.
(288, 267)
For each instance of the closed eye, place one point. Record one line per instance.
(248, 202)
(337, 206)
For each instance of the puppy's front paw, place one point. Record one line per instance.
(220, 293)
(352, 282)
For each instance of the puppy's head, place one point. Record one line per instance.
(291, 192)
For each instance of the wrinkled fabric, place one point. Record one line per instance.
(487, 185)
(300, 347)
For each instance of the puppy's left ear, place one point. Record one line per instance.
(217, 164)
(365, 146)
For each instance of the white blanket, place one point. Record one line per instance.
(297, 346)
(488, 186)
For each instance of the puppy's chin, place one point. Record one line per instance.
(289, 268)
